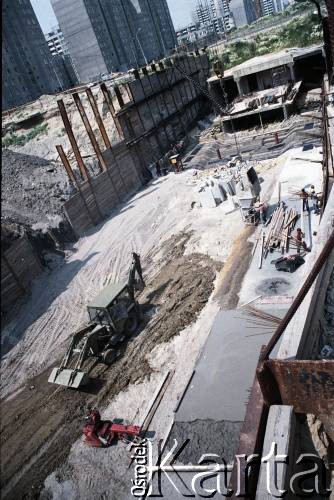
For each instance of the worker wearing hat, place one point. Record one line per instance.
(300, 243)
(304, 196)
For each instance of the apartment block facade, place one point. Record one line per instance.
(104, 37)
(56, 42)
(27, 68)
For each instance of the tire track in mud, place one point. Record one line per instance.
(178, 292)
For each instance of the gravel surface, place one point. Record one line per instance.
(33, 189)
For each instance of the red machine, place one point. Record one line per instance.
(101, 433)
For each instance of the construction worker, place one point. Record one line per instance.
(263, 213)
(137, 264)
(300, 243)
(261, 208)
(304, 196)
(158, 168)
(314, 198)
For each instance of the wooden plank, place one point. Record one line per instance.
(184, 392)
(19, 266)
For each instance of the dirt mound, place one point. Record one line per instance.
(33, 189)
(42, 422)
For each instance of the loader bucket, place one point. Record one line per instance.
(68, 378)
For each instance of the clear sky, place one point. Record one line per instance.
(180, 11)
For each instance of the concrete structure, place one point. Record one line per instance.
(104, 36)
(226, 14)
(267, 71)
(198, 35)
(188, 34)
(243, 12)
(268, 84)
(152, 112)
(27, 70)
(56, 42)
(193, 33)
(202, 12)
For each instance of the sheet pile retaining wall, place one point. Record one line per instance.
(98, 196)
(152, 112)
(19, 266)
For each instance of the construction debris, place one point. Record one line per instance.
(235, 183)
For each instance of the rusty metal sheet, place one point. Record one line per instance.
(307, 385)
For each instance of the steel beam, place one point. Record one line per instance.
(72, 139)
(98, 118)
(111, 108)
(66, 164)
(89, 130)
(119, 97)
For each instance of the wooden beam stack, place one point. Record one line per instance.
(279, 230)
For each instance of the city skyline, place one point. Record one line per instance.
(181, 13)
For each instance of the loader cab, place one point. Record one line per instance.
(111, 307)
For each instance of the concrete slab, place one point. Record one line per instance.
(212, 410)
(219, 389)
(301, 169)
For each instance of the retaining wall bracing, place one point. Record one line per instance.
(152, 112)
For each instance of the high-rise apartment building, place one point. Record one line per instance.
(27, 69)
(202, 11)
(215, 13)
(56, 42)
(61, 58)
(267, 7)
(104, 36)
(243, 12)
(221, 8)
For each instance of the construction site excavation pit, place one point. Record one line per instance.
(212, 295)
(183, 259)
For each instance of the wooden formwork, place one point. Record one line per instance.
(19, 266)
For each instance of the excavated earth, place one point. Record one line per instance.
(32, 198)
(33, 189)
(42, 421)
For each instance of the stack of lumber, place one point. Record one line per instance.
(279, 230)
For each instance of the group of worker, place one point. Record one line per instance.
(315, 199)
(261, 209)
(170, 160)
(313, 196)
